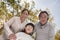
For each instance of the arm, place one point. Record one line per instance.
(51, 32)
(7, 27)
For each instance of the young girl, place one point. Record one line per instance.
(27, 32)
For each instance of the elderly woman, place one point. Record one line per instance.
(15, 25)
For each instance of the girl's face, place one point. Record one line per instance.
(29, 29)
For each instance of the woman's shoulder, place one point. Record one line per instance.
(16, 17)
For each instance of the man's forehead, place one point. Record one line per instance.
(44, 14)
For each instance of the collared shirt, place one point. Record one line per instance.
(15, 24)
(44, 33)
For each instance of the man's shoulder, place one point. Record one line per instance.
(50, 25)
(37, 23)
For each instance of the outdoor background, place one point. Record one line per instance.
(10, 8)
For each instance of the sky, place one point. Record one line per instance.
(54, 6)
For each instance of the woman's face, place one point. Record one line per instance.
(24, 15)
(29, 29)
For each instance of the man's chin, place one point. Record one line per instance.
(42, 24)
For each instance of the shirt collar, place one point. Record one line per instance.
(43, 25)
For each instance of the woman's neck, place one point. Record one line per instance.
(22, 20)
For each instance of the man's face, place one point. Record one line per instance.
(43, 18)
(24, 15)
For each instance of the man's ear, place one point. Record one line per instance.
(48, 18)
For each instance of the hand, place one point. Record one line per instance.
(12, 37)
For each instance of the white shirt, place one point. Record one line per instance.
(23, 36)
(15, 24)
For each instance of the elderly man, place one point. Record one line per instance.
(16, 24)
(44, 29)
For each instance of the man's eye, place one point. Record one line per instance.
(26, 14)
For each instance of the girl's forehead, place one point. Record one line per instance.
(29, 26)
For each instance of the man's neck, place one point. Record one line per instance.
(43, 24)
